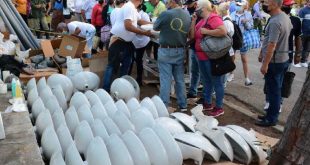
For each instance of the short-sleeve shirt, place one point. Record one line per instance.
(174, 26)
(278, 31)
(84, 27)
(141, 41)
(304, 14)
(88, 7)
(160, 7)
(214, 21)
(128, 12)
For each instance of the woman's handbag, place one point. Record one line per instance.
(222, 65)
(216, 47)
(251, 39)
(105, 33)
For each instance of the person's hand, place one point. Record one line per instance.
(148, 33)
(203, 31)
(264, 69)
(297, 58)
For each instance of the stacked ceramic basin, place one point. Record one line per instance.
(91, 127)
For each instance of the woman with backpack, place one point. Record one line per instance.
(244, 20)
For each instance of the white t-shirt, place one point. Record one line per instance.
(78, 4)
(116, 14)
(88, 7)
(141, 41)
(84, 27)
(230, 30)
(128, 11)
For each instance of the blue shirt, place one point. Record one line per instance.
(304, 14)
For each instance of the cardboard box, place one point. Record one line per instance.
(72, 46)
(97, 65)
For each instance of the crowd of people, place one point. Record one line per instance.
(285, 38)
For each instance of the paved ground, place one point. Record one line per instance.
(254, 95)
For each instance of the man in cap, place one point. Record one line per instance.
(275, 59)
(174, 26)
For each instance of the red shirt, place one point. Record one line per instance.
(214, 21)
(96, 16)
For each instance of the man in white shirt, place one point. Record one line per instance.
(81, 29)
(87, 9)
(121, 48)
(78, 4)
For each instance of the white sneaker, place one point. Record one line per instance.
(280, 108)
(230, 77)
(297, 65)
(266, 106)
(305, 64)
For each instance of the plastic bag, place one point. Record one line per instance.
(74, 66)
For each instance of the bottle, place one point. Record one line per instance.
(18, 90)
(13, 85)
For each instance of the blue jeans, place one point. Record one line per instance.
(274, 79)
(211, 82)
(89, 41)
(119, 53)
(171, 64)
(195, 74)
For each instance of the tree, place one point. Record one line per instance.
(294, 146)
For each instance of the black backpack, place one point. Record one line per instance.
(237, 37)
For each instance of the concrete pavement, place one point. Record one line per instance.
(254, 95)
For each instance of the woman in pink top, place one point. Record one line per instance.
(215, 28)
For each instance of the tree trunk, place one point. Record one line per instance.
(294, 146)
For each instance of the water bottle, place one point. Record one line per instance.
(18, 89)
(13, 85)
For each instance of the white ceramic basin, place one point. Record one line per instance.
(50, 143)
(136, 148)
(97, 153)
(78, 99)
(188, 121)
(218, 138)
(173, 151)
(92, 97)
(73, 156)
(64, 136)
(242, 151)
(85, 80)
(43, 121)
(64, 82)
(98, 111)
(41, 84)
(171, 125)
(142, 119)
(160, 106)
(31, 84)
(110, 108)
(122, 122)
(122, 89)
(149, 105)
(57, 159)
(103, 95)
(118, 152)
(58, 118)
(84, 113)
(32, 96)
(154, 147)
(111, 126)
(121, 106)
(191, 152)
(72, 120)
(99, 129)
(37, 107)
(133, 105)
(83, 136)
(52, 104)
(199, 141)
(135, 85)
(61, 98)
(258, 155)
